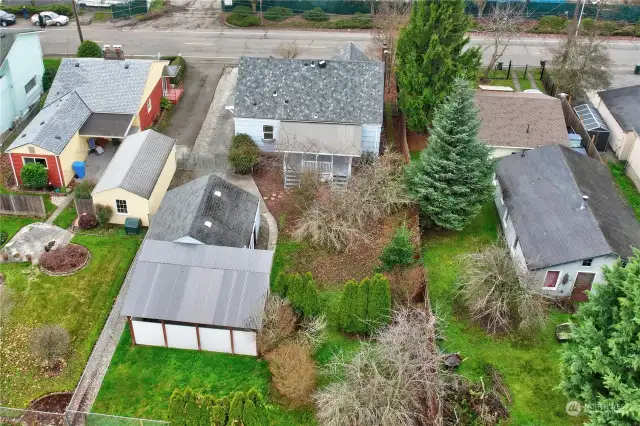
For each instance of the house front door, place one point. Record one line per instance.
(582, 284)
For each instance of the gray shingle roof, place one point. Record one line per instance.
(8, 37)
(104, 85)
(55, 125)
(137, 164)
(543, 192)
(624, 105)
(185, 209)
(520, 120)
(342, 92)
(220, 286)
(350, 52)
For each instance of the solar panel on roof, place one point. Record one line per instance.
(590, 117)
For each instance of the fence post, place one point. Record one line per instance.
(526, 67)
(509, 72)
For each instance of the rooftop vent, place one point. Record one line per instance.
(217, 193)
(286, 101)
(58, 137)
(584, 202)
(275, 93)
(77, 65)
(322, 64)
(255, 103)
(313, 64)
(41, 123)
(306, 64)
(126, 66)
(207, 224)
(23, 135)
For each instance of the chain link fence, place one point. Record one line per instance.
(21, 417)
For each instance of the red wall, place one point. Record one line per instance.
(146, 118)
(53, 165)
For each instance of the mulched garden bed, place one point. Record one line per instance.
(64, 260)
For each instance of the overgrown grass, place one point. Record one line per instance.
(12, 224)
(66, 216)
(626, 186)
(530, 366)
(103, 16)
(79, 302)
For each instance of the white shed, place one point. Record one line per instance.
(195, 296)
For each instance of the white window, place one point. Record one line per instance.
(27, 160)
(587, 262)
(551, 280)
(121, 207)
(267, 132)
(149, 105)
(31, 84)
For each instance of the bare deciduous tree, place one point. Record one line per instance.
(481, 5)
(396, 381)
(278, 323)
(580, 64)
(287, 50)
(293, 372)
(504, 24)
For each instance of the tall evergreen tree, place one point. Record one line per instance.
(452, 180)
(347, 303)
(379, 303)
(430, 55)
(601, 367)
(176, 413)
(399, 251)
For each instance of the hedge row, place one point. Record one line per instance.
(301, 292)
(60, 9)
(559, 25)
(188, 408)
(278, 14)
(177, 60)
(365, 305)
(242, 16)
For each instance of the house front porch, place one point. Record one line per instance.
(335, 169)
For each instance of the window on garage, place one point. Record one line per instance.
(27, 160)
(121, 207)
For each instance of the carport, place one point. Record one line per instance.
(194, 296)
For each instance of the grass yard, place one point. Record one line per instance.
(79, 302)
(530, 367)
(12, 224)
(626, 186)
(66, 216)
(51, 63)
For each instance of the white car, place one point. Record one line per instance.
(50, 18)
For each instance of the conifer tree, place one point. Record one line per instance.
(235, 410)
(347, 303)
(399, 251)
(430, 55)
(176, 413)
(452, 180)
(250, 414)
(379, 303)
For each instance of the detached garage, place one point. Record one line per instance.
(198, 297)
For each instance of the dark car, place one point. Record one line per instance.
(7, 18)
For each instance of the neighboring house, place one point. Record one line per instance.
(21, 71)
(90, 99)
(138, 176)
(563, 218)
(208, 210)
(513, 122)
(620, 109)
(194, 296)
(319, 113)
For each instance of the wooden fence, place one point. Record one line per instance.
(572, 120)
(22, 205)
(84, 206)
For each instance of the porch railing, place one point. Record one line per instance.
(174, 93)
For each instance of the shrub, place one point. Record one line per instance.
(278, 14)
(187, 408)
(83, 190)
(179, 61)
(34, 176)
(165, 104)
(551, 25)
(400, 250)
(365, 306)
(315, 15)
(293, 372)
(287, 50)
(3, 237)
(244, 154)
(235, 410)
(278, 323)
(87, 221)
(588, 25)
(357, 21)
(47, 78)
(64, 259)
(50, 343)
(104, 213)
(243, 16)
(242, 11)
(301, 292)
(89, 49)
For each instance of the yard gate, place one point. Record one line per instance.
(84, 206)
(22, 205)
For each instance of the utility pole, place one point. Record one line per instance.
(580, 18)
(75, 12)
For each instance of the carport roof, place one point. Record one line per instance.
(106, 125)
(199, 284)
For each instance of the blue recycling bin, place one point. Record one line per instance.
(78, 169)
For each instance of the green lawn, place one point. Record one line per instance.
(79, 302)
(12, 224)
(66, 216)
(51, 63)
(626, 186)
(530, 366)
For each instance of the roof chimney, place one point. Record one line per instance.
(116, 53)
(584, 202)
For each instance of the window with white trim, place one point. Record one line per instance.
(27, 160)
(587, 262)
(31, 84)
(121, 207)
(149, 105)
(267, 132)
(551, 279)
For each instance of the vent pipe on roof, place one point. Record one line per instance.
(322, 64)
(584, 202)
(528, 128)
(217, 193)
(77, 64)
(207, 224)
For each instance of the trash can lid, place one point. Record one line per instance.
(132, 221)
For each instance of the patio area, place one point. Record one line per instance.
(95, 165)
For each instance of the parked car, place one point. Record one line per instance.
(50, 18)
(7, 18)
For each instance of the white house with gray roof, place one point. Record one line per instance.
(563, 218)
(320, 113)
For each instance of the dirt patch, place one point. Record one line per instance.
(44, 411)
(279, 201)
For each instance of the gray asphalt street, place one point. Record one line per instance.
(229, 44)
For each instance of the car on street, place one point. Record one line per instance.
(50, 18)
(7, 18)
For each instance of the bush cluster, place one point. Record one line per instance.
(399, 251)
(104, 213)
(60, 9)
(609, 28)
(278, 14)
(365, 305)
(301, 292)
(49, 343)
(315, 15)
(3, 237)
(47, 78)
(551, 25)
(188, 408)
(244, 154)
(89, 49)
(359, 20)
(34, 176)
(180, 61)
(87, 221)
(242, 16)
(83, 190)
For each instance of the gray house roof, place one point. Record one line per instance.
(347, 92)
(350, 52)
(624, 105)
(219, 286)
(543, 193)
(8, 37)
(104, 85)
(137, 164)
(55, 125)
(185, 210)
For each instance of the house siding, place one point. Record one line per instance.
(76, 150)
(371, 138)
(253, 128)
(145, 118)
(633, 162)
(619, 140)
(53, 169)
(500, 151)
(137, 206)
